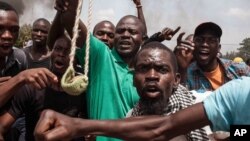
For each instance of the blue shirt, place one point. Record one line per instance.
(196, 80)
(229, 104)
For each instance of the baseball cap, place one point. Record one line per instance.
(208, 26)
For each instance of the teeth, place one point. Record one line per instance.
(125, 43)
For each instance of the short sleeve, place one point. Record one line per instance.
(222, 105)
(19, 102)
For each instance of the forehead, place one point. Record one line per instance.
(8, 18)
(62, 42)
(40, 25)
(105, 25)
(154, 56)
(129, 22)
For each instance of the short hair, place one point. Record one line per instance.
(158, 45)
(139, 21)
(43, 20)
(105, 21)
(7, 7)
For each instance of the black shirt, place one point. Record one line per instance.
(31, 102)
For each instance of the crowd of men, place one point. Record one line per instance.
(138, 89)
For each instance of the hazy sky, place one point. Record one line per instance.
(232, 15)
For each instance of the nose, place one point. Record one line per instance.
(105, 37)
(39, 33)
(126, 34)
(152, 75)
(204, 44)
(7, 35)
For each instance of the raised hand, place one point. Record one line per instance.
(65, 5)
(184, 51)
(168, 33)
(137, 2)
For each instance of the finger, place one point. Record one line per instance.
(45, 122)
(57, 133)
(58, 5)
(185, 47)
(164, 29)
(179, 38)
(61, 5)
(51, 76)
(3, 79)
(31, 80)
(169, 31)
(40, 82)
(176, 30)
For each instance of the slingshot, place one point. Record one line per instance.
(71, 84)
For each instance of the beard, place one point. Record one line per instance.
(153, 107)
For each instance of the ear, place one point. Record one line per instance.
(177, 80)
(219, 47)
(134, 79)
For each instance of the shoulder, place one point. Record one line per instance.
(229, 63)
(18, 53)
(27, 49)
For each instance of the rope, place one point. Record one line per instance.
(75, 33)
(76, 85)
(86, 67)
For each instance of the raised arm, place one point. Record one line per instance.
(166, 34)
(136, 128)
(67, 8)
(56, 31)
(184, 55)
(141, 16)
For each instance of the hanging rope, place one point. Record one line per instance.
(76, 85)
(86, 67)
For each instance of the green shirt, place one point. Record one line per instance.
(110, 93)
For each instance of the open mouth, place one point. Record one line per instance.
(58, 64)
(152, 91)
(6, 47)
(125, 44)
(203, 54)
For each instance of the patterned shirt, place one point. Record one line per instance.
(180, 99)
(196, 79)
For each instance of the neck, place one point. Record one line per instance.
(210, 66)
(43, 49)
(129, 61)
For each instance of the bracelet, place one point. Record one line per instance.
(138, 6)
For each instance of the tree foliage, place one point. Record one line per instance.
(243, 51)
(24, 35)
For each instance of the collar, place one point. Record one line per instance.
(116, 56)
(195, 66)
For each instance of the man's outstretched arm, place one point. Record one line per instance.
(136, 128)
